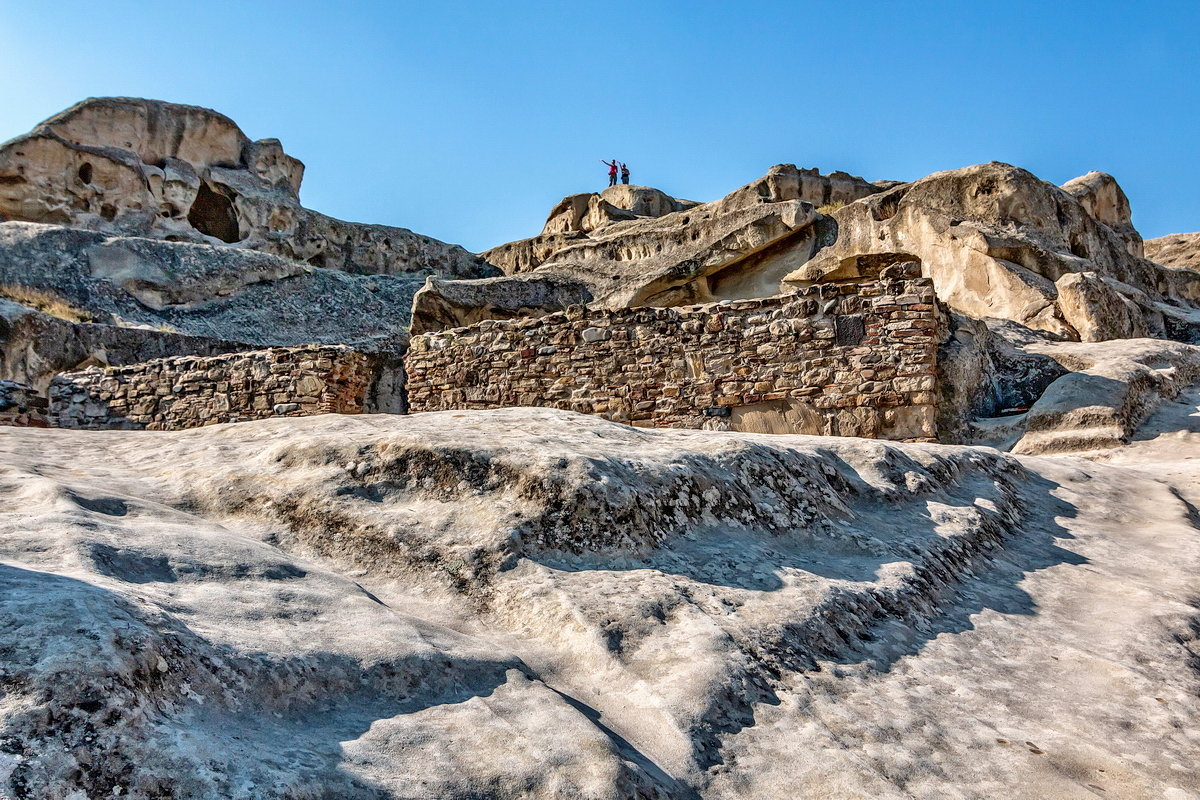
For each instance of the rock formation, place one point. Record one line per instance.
(736, 247)
(535, 604)
(999, 242)
(1178, 251)
(148, 168)
(137, 229)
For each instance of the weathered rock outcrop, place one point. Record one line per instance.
(737, 247)
(995, 239)
(1111, 388)
(579, 214)
(1177, 250)
(225, 293)
(1102, 197)
(582, 213)
(154, 169)
(529, 604)
(34, 347)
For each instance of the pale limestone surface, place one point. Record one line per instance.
(1176, 250)
(149, 168)
(531, 603)
(995, 239)
(737, 247)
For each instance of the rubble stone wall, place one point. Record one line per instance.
(21, 406)
(191, 391)
(852, 358)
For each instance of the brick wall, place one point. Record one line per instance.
(853, 358)
(190, 391)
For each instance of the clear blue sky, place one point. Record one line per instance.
(468, 120)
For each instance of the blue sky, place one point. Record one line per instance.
(468, 120)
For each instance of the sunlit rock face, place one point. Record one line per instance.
(636, 246)
(164, 170)
(996, 239)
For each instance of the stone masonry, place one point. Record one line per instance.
(190, 391)
(849, 358)
(21, 406)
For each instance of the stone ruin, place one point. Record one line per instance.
(165, 237)
(189, 392)
(844, 358)
(21, 406)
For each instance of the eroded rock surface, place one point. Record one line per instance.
(1178, 250)
(163, 170)
(996, 239)
(224, 293)
(535, 604)
(614, 257)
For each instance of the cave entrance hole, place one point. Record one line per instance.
(212, 214)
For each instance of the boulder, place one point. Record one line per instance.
(1111, 388)
(995, 239)
(1100, 308)
(1102, 197)
(163, 170)
(644, 201)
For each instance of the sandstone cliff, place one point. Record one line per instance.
(145, 229)
(999, 242)
(148, 168)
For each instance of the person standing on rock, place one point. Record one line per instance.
(612, 171)
(624, 173)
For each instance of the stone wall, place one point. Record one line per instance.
(190, 391)
(852, 358)
(21, 406)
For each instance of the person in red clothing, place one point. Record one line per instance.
(612, 171)
(624, 173)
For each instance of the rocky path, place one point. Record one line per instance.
(534, 604)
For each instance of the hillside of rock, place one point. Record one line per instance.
(536, 604)
(1178, 250)
(671, 253)
(148, 168)
(999, 242)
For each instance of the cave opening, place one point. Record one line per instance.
(212, 214)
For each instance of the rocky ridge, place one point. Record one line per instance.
(677, 253)
(142, 221)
